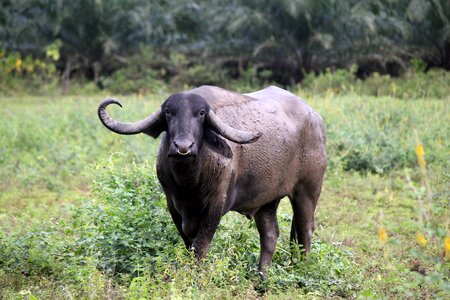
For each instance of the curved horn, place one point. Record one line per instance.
(145, 125)
(230, 133)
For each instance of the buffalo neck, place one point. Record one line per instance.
(185, 172)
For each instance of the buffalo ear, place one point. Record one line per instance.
(157, 128)
(216, 143)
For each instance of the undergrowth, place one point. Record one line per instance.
(126, 233)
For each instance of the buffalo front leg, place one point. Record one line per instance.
(267, 224)
(207, 228)
(210, 218)
(176, 217)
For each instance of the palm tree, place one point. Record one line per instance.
(430, 22)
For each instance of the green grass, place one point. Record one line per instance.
(82, 214)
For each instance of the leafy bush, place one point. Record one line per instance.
(35, 252)
(338, 81)
(414, 84)
(128, 225)
(129, 230)
(329, 269)
(19, 74)
(127, 233)
(142, 74)
(377, 135)
(134, 79)
(199, 74)
(148, 71)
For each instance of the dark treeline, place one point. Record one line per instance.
(281, 40)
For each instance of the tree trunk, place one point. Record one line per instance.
(66, 76)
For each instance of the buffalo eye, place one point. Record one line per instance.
(166, 112)
(202, 112)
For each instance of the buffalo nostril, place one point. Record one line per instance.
(183, 147)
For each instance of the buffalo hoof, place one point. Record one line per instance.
(263, 275)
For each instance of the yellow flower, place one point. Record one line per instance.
(419, 150)
(447, 247)
(382, 234)
(421, 239)
(420, 155)
(30, 69)
(18, 64)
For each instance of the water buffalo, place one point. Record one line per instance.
(223, 151)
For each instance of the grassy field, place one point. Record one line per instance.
(82, 214)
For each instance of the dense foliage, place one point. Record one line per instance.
(125, 232)
(283, 40)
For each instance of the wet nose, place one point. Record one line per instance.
(183, 147)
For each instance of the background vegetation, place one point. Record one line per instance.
(114, 43)
(82, 215)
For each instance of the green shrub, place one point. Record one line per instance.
(128, 224)
(33, 252)
(249, 80)
(127, 233)
(197, 75)
(377, 135)
(27, 74)
(128, 229)
(148, 71)
(414, 84)
(329, 270)
(338, 81)
(136, 78)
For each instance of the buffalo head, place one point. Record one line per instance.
(187, 119)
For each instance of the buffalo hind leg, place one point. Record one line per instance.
(304, 202)
(267, 224)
